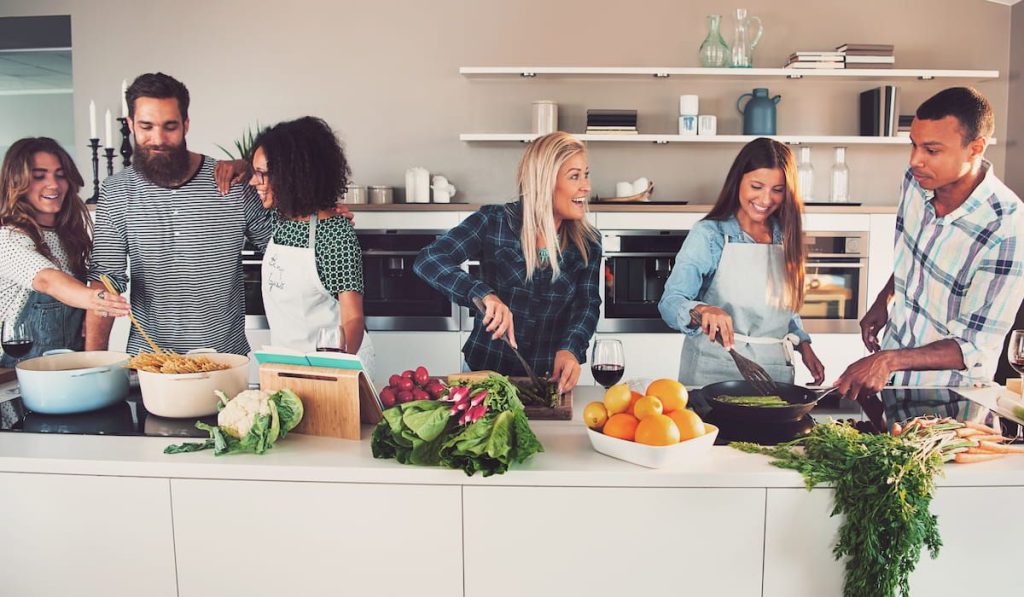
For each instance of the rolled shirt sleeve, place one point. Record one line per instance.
(259, 221)
(796, 327)
(586, 308)
(439, 264)
(21, 259)
(110, 242)
(695, 264)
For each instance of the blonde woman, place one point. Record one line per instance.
(540, 263)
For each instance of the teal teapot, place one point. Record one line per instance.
(759, 112)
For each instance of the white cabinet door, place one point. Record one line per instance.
(439, 352)
(270, 539)
(649, 356)
(84, 535)
(835, 351)
(799, 535)
(612, 541)
(880, 253)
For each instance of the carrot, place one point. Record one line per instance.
(967, 432)
(981, 427)
(987, 438)
(1001, 448)
(967, 458)
(897, 429)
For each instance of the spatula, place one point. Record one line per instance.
(538, 384)
(751, 371)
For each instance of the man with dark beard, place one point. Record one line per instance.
(164, 219)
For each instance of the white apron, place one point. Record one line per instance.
(296, 302)
(750, 286)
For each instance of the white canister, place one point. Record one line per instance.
(688, 125)
(545, 117)
(443, 190)
(422, 194)
(707, 124)
(688, 105)
(410, 185)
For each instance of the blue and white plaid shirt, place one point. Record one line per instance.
(958, 277)
(549, 315)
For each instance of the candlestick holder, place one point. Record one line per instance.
(109, 153)
(126, 143)
(94, 145)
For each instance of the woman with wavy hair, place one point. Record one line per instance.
(313, 266)
(540, 262)
(739, 275)
(44, 247)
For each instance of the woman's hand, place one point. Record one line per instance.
(228, 174)
(716, 322)
(105, 303)
(567, 371)
(812, 363)
(498, 319)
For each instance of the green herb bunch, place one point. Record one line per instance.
(883, 489)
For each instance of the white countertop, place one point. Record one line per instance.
(568, 460)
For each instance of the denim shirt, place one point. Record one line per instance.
(695, 267)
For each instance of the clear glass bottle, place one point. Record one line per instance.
(840, 178)
(713, 51)
(805, 175)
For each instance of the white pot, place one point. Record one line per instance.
(181, 395)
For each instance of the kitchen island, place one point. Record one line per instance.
(115, 516)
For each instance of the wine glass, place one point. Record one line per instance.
(330, 339)
(16, 340)
(607, 363)
(1015, 351)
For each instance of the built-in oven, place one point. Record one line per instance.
(252, 264)
(395, 298)
(835, 283)
(637, 264)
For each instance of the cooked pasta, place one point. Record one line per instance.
(170, 362)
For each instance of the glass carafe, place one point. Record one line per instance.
(748, 33)
(713, 51)
(840, 178)
(805, 175)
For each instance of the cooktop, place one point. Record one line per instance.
(124, 418)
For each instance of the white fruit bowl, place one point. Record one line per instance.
(681, 454)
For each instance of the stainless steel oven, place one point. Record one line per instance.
(395, 298)
(637, 264)
(252, 264)
(836, 282)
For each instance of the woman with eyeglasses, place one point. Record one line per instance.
(540, 262)
(44, 248)
(313, 267)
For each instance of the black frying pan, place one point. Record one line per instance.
(801, 400)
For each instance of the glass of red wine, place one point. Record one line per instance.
(607, 363)
(1015, 351)
(16, 340)
(330, 339)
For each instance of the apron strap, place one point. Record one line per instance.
(788, 342)
(312, 232)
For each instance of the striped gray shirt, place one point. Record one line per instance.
(184, 248)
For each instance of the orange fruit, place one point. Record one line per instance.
(616, 399)
(689, 424)
(595, 415)
(647, 406)
(673, 395)
(657, 430)
(622, 426)
(633, 397)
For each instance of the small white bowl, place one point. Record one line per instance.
(687, 452)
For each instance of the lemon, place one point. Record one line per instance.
(616, 399)
(647, 406)
(595, 415)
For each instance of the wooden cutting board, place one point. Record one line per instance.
(7, 375)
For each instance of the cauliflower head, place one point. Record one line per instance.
(240, 412)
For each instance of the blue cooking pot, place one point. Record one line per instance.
(63, 382)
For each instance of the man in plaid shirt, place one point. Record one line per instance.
(959, 270)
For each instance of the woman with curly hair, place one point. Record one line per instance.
(44, 246)
(313, 267)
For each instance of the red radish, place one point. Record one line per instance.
(394, 379)
(435, 390)
(420, 394)
(421, 376)
(387, 397)
(478, 398)
(404, 396)
(476, 412)
(406, 384)
(408, 373)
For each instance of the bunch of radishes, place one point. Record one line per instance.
(411, 385)
(468, 401)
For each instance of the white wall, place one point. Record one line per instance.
(1015, 125)
(385, 74)
(40, 116)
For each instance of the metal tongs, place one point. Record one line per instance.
(537, 382)
(753, 373)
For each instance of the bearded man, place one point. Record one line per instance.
(165, 233)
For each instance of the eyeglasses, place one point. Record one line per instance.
(260, 176)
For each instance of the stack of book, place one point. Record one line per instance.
(815, 60)
(879, 108)
(868, 55)
(611, 122)
(903, 125)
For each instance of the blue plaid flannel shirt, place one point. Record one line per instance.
(958, 277)
(549, 315)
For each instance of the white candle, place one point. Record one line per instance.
(92, 119)
(124, 102)
(109, 141)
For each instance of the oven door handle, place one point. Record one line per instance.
(381, 253)
(819, 264)
(252, 262)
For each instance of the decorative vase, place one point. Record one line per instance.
(713, 51)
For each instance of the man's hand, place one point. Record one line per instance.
(228, 174)
(567, 371)
(866, 376)
(873, 322)
(498, 319)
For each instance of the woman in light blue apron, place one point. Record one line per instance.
(739, 276)
(44, 248)
(313, 267)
